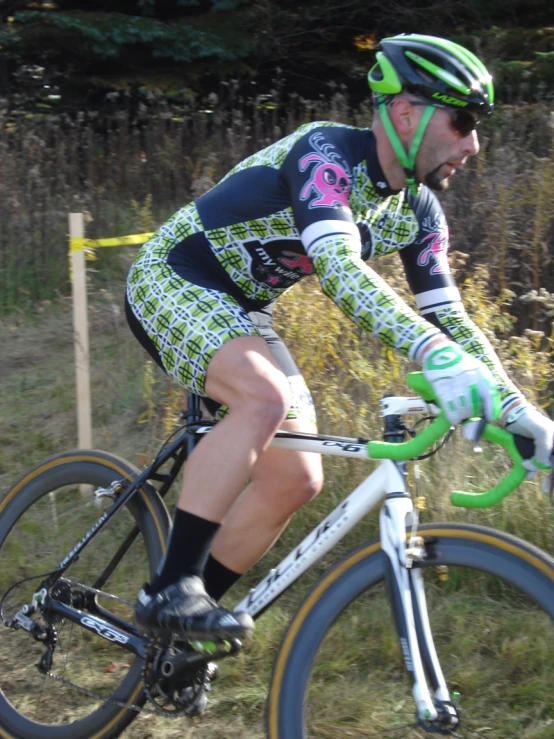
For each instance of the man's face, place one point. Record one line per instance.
(444, 148)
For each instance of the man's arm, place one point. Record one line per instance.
(334, 248)
(317, 173)
(439, 302)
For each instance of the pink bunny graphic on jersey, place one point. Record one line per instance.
(436, 252)
(329, 182)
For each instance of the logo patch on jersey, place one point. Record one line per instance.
(300, 263)
(277, 267)
(436, 253)
(330, 181)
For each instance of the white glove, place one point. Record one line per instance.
(526, 420)
(463, 385)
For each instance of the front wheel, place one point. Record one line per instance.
(339, 671)
(41, 519)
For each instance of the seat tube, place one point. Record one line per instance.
(193, 414)
(396, 515)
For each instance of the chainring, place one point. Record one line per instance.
(175, 695)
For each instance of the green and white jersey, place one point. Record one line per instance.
(317, 201)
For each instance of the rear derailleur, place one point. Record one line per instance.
(40, 621)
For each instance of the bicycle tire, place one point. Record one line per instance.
(504, 559)
(56, 484)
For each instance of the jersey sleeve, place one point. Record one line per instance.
(437, 297)
(318, 174)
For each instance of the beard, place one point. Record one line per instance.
(435, 182)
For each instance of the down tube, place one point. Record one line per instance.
(385, 479)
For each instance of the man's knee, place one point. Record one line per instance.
(297, 484)
(242, 375)
(267, 401)
(308, 486)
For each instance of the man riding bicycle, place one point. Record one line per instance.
(321, 200)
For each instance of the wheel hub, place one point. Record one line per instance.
(61, 592)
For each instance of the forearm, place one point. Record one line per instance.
(367, 299)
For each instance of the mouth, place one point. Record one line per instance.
(453, 166)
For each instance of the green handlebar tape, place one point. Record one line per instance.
(506, 485)
(417, 382)
(485, 500)
(436, 430)
(413, 448)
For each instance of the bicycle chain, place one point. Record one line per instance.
(90, 693)
(99, 592)
(103, 699)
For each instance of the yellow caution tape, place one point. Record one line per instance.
(77, 243)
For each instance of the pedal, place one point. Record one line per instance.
(212, 671)
(217, 649)
(203, 654)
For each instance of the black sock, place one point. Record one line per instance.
(218, 578)
(187, 550)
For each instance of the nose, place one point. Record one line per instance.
(471, 144)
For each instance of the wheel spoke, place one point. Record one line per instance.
(51, 521)
(493, 632)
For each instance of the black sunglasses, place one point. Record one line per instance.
(462, 121)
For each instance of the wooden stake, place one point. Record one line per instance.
(80, 335)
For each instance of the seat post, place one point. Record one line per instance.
(193, 414)
(193, 407)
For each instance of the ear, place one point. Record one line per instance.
(403, 116)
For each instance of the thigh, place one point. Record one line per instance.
(302, 408)
(182, 325)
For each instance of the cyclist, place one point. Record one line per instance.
(322, 200)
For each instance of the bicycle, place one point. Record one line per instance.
(507, 577)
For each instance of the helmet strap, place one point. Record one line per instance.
(407, 159)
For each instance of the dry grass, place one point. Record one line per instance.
(497, 213)
(116, 166)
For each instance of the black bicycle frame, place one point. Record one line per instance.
(96, 618)
(105, 623)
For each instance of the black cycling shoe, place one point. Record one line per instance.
(186, 610)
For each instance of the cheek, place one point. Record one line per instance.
(440, 136)
(428, 154)
(437, 150)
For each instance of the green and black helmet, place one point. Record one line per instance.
(444, 73)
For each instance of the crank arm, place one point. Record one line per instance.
(192, 661)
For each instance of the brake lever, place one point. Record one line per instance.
(478, 434)
(475, 438)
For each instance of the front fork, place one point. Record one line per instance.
(407, 597)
